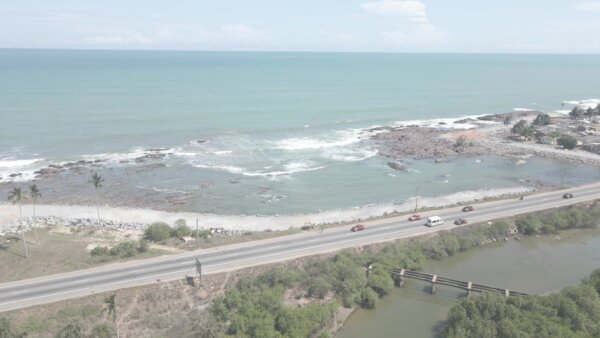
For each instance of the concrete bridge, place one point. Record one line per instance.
(401, 274)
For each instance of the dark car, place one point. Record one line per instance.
(415, 217)
(461, 221)
(568, 195)
(468, 208)
(358, 227)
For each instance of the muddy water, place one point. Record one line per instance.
(533, 265)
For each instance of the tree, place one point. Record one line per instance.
(567, 142)
(542, 120)
(507, 120)
(16, 196)
(111, 309)
(576, 113)
(157, 232)
(589, 112)
(97, 182)
(523, 128)
(34, 193)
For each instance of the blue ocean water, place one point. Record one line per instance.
(260, 132)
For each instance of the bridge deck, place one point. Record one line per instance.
(465, 285)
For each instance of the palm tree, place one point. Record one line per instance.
(97, 182)
(34, 193)
(16, 196)
(111, 309)
(507, 121)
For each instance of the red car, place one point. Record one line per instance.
(358, 227)
(415, 217)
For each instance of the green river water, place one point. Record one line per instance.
(532, 265)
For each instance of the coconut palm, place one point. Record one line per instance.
(507, 121)
(97, 182)
(111, 308)
(34, 193)
(16, 196)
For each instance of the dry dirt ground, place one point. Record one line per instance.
(59, 250)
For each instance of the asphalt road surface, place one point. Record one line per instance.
(80, 283)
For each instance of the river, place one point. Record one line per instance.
(533, 265)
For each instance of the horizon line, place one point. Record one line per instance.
(292, 51)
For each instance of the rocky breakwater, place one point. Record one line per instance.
(28, 223)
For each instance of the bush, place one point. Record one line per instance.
(381, 281)
(143, 246)
(368, 298)
(567, 142)
(102, 331)
(99, 251)
(71, 331)
(317, 287)
(157, 232)
(461, 141)
(542, 120)
(182, 230)
(124, 249)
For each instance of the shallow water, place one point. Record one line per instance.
(532, 265)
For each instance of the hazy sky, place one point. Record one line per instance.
(507, 26)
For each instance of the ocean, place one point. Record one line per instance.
(238, 133)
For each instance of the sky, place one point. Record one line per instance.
(439, 26)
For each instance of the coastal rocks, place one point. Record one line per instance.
(397, 166)
(42, 221)
(422, 143)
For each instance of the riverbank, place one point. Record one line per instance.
(308, 287)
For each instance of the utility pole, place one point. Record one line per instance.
(199, 270)
(197, 235)
(562, 181)
(417, 199)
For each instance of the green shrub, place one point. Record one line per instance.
(368, 298)
(567, 142)
(542, 120)
(182, 230)
(143, 245)
(124, 249)
(157, 232)
(317, 287)
(99, 251)
(102, 331)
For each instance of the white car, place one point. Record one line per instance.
(434, 221)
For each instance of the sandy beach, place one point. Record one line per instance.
(10, 213)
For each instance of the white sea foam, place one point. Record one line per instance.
(7, 163)
(584, 104)
(338, 138)
(523, 109)
(288, 169)
(24, 170)
(446, 123)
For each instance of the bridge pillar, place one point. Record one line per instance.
(469, 288)
(507, 292)
(433, 281)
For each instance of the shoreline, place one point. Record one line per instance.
(129, 218)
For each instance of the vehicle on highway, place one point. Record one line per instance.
(461, 221)
(568, 195)
(415, 217)
(434, 221)
(358, 227)
(468, 208)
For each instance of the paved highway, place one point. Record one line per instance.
(48, 289)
